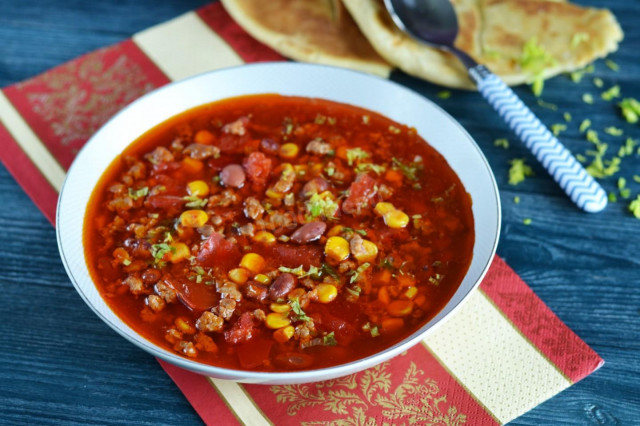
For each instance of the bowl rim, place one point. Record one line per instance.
(287, 377)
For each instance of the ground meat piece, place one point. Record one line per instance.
(256, 291)
(186, 348)
(224, 199)
(155, 302)
(136, 286)
(269, 146)
(219, 252)
(252, 208)
(205, 343)
(258, 167)
(242, 331)
(385, 191)
(238, 127)
(229, 290)
(209, 321)
(176, 145)
(172, 336)
(226, 308)
(259, 315)
(166, 292)
(199, 151)
(120, 204)
(362, 196)
(305, 332)
(118, 189)
(159, 155)
(247, 230)
(356, 245)
(346, 266)
(138, 170)
(286, 181)
(319, 147)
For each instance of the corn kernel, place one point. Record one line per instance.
(282, 335)
(383, 208)
(368, 254)
(193, 218)
(396, 219)
(191, 165)
(335, 231)
(390, 325)
(273, 194)
(280, 307)
(411, 292)
(326, 293)
(253, 262)
(264, 237)
(184, 326)
(289, 150)
(337, 248)
(198, 188)
(263, 279)
(277, 320)
(204, 136)
(178, 252)
(239, 275)
(400, 308)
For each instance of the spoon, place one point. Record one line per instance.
(434, 22)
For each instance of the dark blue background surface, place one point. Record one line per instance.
(60, 364)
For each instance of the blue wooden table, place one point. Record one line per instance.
(59, 364)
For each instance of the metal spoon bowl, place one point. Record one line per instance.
(434, 22)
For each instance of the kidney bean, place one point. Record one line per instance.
(151, 276)
(233, 176)
(315, 185)
(282, 286)
(309, 232)
(269, 146)
(294, 360)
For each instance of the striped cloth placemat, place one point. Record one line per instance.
(501, 354)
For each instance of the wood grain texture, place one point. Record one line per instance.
(59, 364)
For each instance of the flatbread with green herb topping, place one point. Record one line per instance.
(520, 40)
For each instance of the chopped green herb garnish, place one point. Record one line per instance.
(625, 193)
(634, 207)
(319, 205)
(435, 279)
(445, 94)
(300, 272)
(376, 168)
(576, 76)
(138, 193)
(328, 270)
(601, 169)
(612, 65)
(355, 275)
(329, 339)
(332, 121)
(387, 263)
(526, 221)
(581, 158)
(587, 98)
(126, 262)
(548, 105)
(354, 291)
(365, 119)
(297, 309)
(557, 128)
(613, 92)
(408, 171)
(195, 202)
(586, 123)
(516, 199)
(158, 251)
(636, 178)
(320, 119)
(518, 171)
(630, 109)
(374, 331)
(356, 154)
(598, 82)
(501, 142)
(612, 197)
(622, 182)
(535, 59)
(394, 130)
(567, 117)
(613, 131)
(578, 38)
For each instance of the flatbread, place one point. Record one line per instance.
(494, 32)
(318, 31)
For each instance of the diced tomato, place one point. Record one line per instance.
(218, 252)
(164, 202)
(258, 167)
(291, 256)
(195, 296)
(243, 329)
(255, 352)
(362, 196)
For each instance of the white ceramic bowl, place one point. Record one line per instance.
(387, 98)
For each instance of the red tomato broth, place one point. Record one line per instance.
(429, 255)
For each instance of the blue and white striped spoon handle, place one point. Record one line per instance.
(583, 190)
